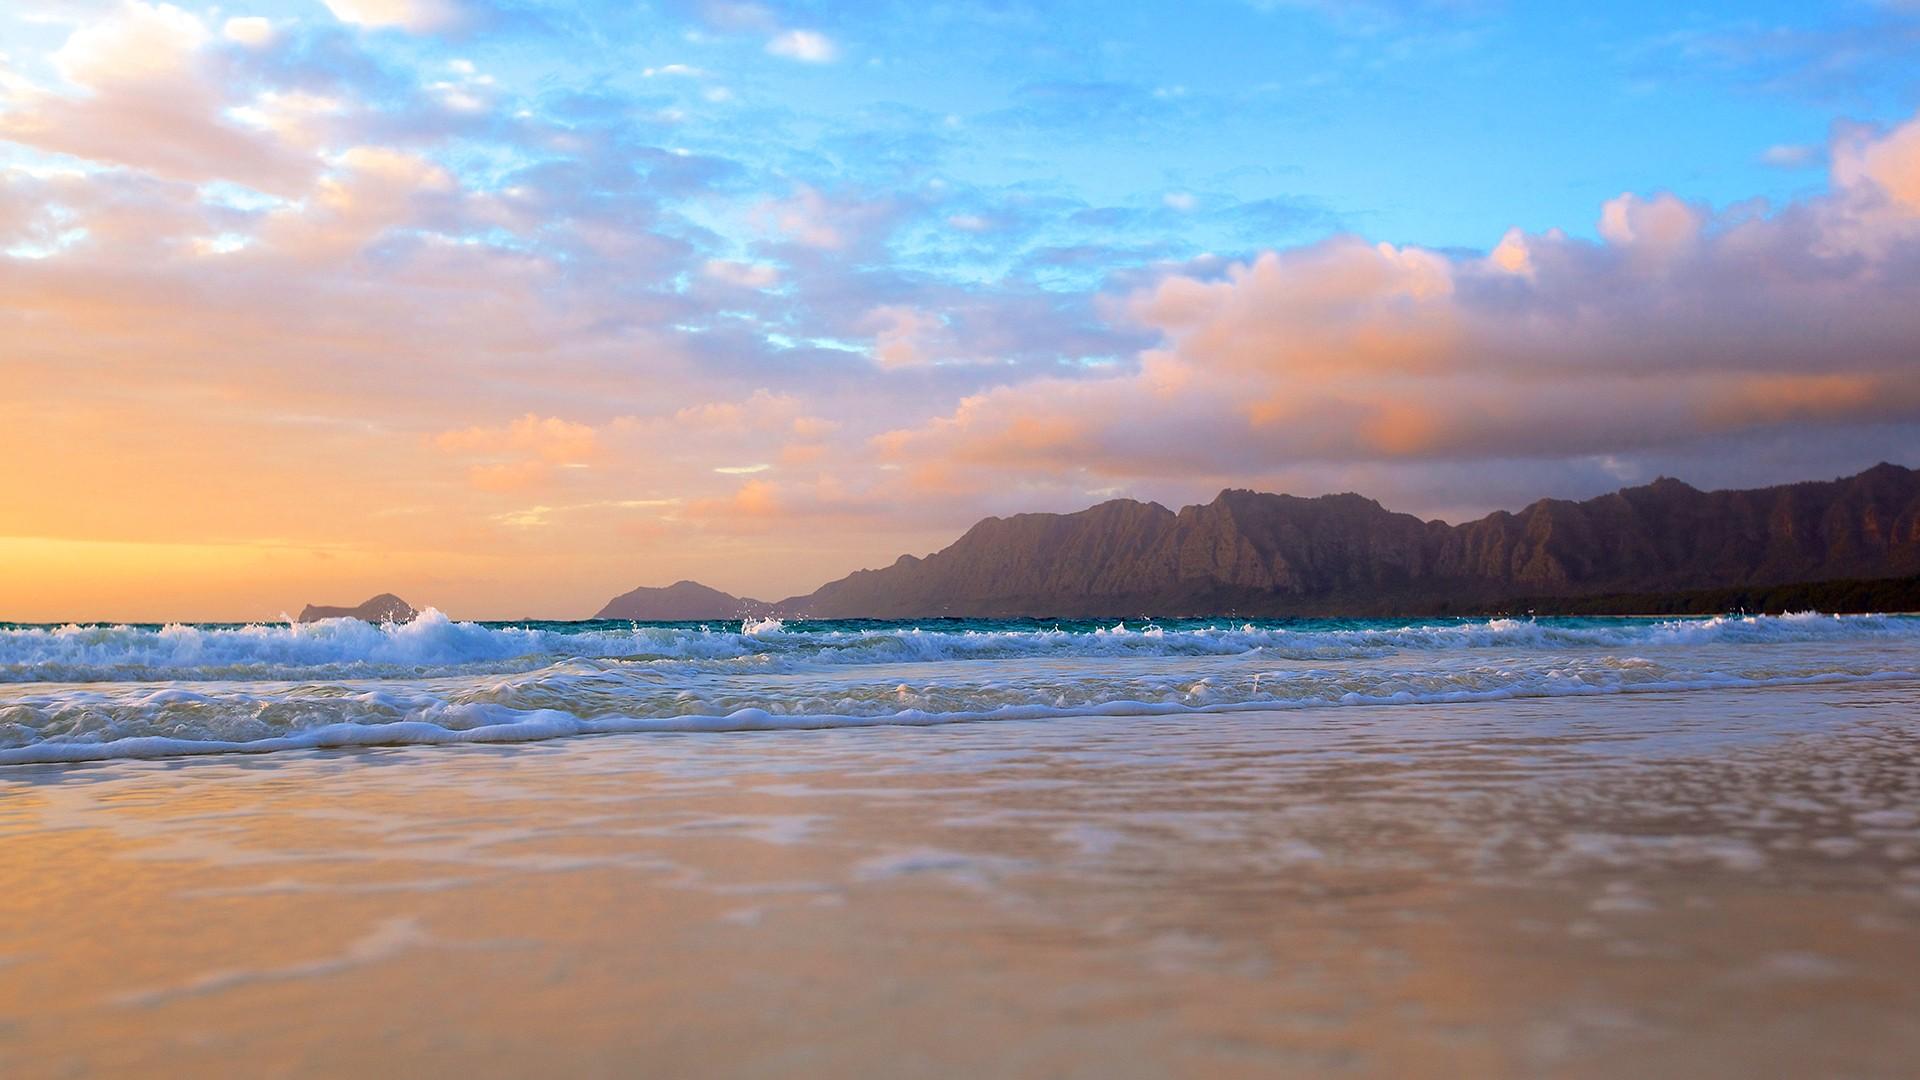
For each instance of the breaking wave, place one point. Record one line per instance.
(434, 644)
(80, 693)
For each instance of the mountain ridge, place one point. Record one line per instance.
(1257, 554)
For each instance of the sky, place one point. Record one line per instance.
(511, 306)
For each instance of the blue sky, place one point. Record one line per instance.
(1439, 124)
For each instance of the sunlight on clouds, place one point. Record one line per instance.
(548, 438)
(463, 312)
(141, 44)
(901, 335)
(815, 427)
(149, 98)
(535, 445)
(754, 499)
(1890, 162)
(1662, 227)
(762, 411)
(250, 30)
(415, 15)
(809, 46)
(1511, 254)
(1673, 327)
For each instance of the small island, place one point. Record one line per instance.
(385, 607)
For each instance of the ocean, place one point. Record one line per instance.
(95, 692)
(1509, 847)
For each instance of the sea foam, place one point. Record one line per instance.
(79, 693)
(435, 644)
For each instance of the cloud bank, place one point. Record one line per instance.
(1678, 325)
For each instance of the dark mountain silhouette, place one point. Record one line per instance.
(1853, 543)
(681, 600)
(383, 608)
(1254, 554)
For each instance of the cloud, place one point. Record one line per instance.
(745, 17)
(146, 92)
(546, 438)
(250, 30)
(417, 16)
(368, 191)
(902, 335)
(1889, 163)
(1679, 326)
(532, 448)
(808, 46)
(1790, 156)
(746, 275)
(840, 221)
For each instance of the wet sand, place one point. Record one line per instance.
(1707, 884)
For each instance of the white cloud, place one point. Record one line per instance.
(251, 31)
(152, 99)
(414, 15)
(1790, 156)
(808, 46)
(141, 43)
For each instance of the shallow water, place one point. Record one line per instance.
(1717, 882)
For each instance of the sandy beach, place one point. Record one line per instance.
(1654, 885)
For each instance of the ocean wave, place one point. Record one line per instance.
(434, 644)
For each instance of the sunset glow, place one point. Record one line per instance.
(508, 308)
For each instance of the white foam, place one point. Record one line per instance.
(486, 723)
(434, 644)
(95, 692)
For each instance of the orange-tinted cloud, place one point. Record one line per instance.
(1677, 325)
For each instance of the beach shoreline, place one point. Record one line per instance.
(1662, 884)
